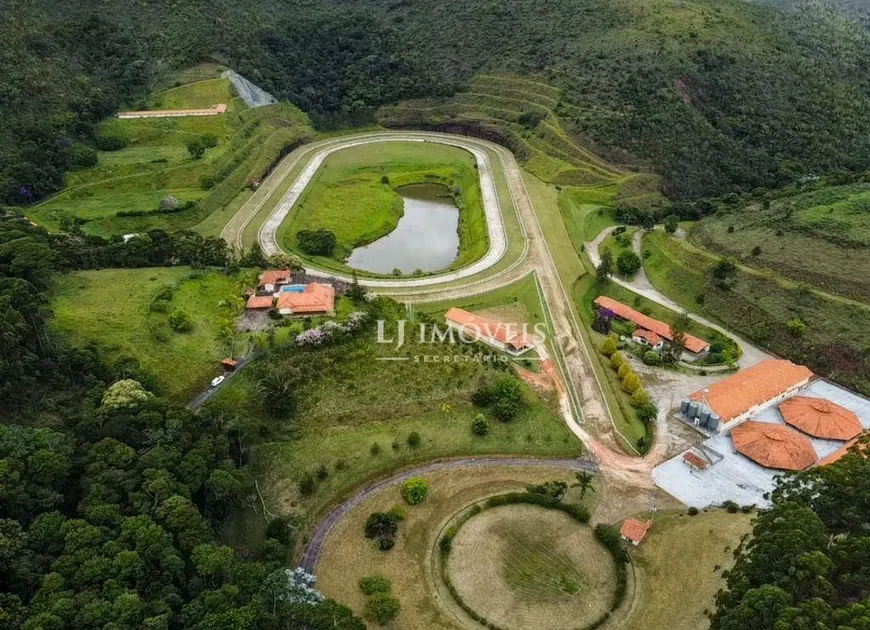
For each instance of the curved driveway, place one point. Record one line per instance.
(313, 549)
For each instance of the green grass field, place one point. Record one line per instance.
(111, 309)
(155, 161)
(820, 238)
(836, 338)
(349, 197)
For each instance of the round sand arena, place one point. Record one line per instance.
(524, 567)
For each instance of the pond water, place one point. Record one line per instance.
(426, 237)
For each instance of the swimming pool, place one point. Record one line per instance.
(293, 288)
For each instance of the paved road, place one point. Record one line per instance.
(312, 551)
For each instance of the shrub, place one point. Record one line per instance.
(446, 542)
(639, 397)
(414, 490)
(507, 396)
(386, 543)
(756, 251)
(398, 512)
(381, 525)
(479, 426)
(608, 348)
(671, 224)
(617, 360)
(693, 511)
(375, 449)
(385, 180)
(631, 382)
(796, 327)
(180, 321)
(381, 608)
(577, 512)
(322, 472)
(413, 439)
(652, 358)
(647, 412)
(374, 584)
(307, 484)
(623, 370)
(316, 242)
(279, 529)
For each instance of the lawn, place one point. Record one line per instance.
(348, 556)
(836, 336)
(350, 197)
(679, 567)
(154, 162)
(526, 567)
(112, 309)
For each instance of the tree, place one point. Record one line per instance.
(605, 267)
(585, 482)
(414, 490)
(679, 329)
(281, 260)
(647, 412)
(374, 584)
(319, 242)
(608, 348)
(639, 397)
(616, 360)
(630, 382)
(278, 389)
(413, 439)
(507, 398)
(381, 525)
(671, 224)
(628, 263)
(125, 394)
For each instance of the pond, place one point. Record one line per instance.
(425, 239)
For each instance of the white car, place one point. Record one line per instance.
(217, 380)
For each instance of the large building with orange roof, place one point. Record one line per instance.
(820, 418)
(725, 404)
(645, 322)
(506, 337)
(773, 445)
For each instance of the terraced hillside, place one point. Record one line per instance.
(144, 160)
(524, 115)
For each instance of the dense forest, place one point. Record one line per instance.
(715, 96)
(110, 497)
(807, 565)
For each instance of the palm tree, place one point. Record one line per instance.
(584, 482)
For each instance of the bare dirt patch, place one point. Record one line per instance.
(524, 567)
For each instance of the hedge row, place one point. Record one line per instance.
(577, 512)
(611, 541)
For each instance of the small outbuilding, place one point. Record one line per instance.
(270, 280)
(259, 302)
(773, 445)
(648, 338)
(634, 531)
(820, 418)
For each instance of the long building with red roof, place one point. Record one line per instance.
(693, 344)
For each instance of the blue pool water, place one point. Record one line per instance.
(293, 288)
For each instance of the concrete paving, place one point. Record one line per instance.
(738, 478)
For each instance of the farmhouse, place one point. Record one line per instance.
(609, 308)
(723, 405)
(214, 110)
(648, 338)
(634, 531)
(506, 337)
(270, 280)
(307, 300)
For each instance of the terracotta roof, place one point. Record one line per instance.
(740, 392)
(273, 276)
(229, 363)
(634, 529)
(693, 344)
(508, 334)
(844, 450)
(214, 110)
(820, 418)
(315, 298)
(650, 337)
(773, 445)
(695, 461)
(259, 301)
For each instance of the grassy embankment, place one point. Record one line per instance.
(349, 196)
(760, 306)
(113, 309)
(153, 161)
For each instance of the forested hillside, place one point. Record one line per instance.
(853, 9)
(714, 96)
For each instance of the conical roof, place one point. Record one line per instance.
(773, 445)
(820, 418)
